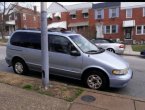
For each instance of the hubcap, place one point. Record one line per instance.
(94, 81)
(18, 67)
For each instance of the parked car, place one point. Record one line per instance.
(70, 55)
(142, 53)
(109, 45)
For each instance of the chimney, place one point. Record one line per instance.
(35, 9)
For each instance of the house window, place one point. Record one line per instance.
(143, 29)
(128, 13)
(111, 29)
(144, 11)
(24, 16)
(107, 30)
(34, 18)
(73, 16)
(10, 17)
(99, 14)
(140, 30)
(85, 15)
(113, 14)
(114, 29)
(79, 28)
(16, 17)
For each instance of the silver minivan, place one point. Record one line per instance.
(70, 55)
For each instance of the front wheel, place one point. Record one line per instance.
(111, 50)
(96, 80)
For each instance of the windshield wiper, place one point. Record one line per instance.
(92, 51)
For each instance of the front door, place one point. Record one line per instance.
(99, 30)
(128, 32)
(128, 35)
(61, 62)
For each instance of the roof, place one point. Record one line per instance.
(128, 5)
(106, 5)
(79, 6)
(54, 7)
(25, 10)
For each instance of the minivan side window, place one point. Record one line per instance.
(35, 40)
(26, 39)
(59, 44)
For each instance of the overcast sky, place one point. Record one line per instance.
(123, 4)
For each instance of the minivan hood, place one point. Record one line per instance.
(110, 59)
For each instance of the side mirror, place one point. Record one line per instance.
(74, 53)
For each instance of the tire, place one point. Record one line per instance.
(111, 50)
(101, 83)
(20, 67)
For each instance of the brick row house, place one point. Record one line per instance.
(78, 18)
(133, 24)
(104, 20)
(21, 17)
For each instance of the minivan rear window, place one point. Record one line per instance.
(26, 39)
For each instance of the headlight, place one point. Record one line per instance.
(120, 72)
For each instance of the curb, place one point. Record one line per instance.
(130, 55)
(105, 93)
(116, 95)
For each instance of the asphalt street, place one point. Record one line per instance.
(135, 87)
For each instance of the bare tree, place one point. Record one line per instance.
(5, 10)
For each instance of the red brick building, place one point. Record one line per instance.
(106, 20)
(22, 17)
(78, 18)
(134, 29)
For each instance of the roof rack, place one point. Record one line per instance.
(29, 29)
(62, 30)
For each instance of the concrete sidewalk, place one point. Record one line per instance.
(13, 98)
(128, 51)
(107, 101)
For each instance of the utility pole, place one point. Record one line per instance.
(44, 46)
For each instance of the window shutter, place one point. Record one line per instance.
(104, 29)
(117, 28)
(96, 14)
(110, 12)
(102, 13)
(117, 12)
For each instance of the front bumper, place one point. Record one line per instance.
(119, 81)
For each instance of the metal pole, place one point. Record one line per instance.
(44, 46)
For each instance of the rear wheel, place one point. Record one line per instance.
(111, 50)
(19, 66)
(96, 80)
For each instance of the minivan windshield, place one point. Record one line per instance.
(84, 44)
